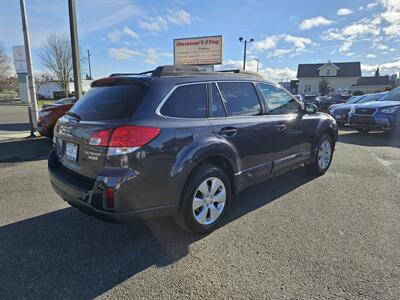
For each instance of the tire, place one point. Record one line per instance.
(323, 158)
(211, 205)
(363, 130)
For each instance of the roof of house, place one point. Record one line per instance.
(374, 80)
(346, 69)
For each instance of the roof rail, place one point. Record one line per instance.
(184, 70)
(127, 74)
(174, 70)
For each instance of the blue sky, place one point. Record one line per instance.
(131, 36)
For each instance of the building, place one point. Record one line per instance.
(340, 76)
(51, 89)
(372, 84)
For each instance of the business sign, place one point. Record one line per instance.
(19, 59)
(198, 51)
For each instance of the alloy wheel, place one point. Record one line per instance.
(209, 201)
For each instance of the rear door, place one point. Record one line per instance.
(294, 130)
(237, 119)
(107, 105)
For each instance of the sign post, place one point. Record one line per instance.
(200, 51)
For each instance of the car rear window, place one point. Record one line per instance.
(109, 102)
(187, 101)
(240, 98)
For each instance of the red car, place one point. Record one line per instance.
(50, 113)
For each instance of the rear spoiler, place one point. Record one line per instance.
(110, 81)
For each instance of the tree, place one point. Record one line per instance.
(5, 63)
(40, 80)
(323, 87)
(56, 57)
(377, 74)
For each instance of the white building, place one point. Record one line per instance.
(47, 89)
(341, 77)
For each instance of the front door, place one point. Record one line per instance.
(293, 129)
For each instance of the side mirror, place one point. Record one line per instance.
(310, 108)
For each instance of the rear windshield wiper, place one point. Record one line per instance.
(74, 115)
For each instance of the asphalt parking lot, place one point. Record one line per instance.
(295, 236)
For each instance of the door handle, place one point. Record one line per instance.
(281, 127)
(228, 131)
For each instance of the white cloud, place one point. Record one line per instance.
(345, 47)
(269, 42)
(130, 33)
(180, 17)
(385, 69)
(116, 35)
(344, 12)
(153, 56)
(278, 74)
(314, 22)
(274, 74)
(110, 19)
(362, 29)
(371, 5)
(392, 17)
(122, 53)
(370, 55)
(154, 24)
(294, 45)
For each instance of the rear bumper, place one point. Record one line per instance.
(90, 196)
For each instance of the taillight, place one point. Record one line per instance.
(124, 137)
(132, 136)
(100, 138)
(110, 198)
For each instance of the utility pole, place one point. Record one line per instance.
(75, 49)
(242, 40)
(90, 68)
(31, 81)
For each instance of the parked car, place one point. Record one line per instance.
(300, 98)
(312, 99)
(181, 143)
(341, 111)
(334, 99)
(49, 115)
(383, 114)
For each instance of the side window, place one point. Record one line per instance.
(278, 101)
(217, 107)
(187, 101)
(240, 98)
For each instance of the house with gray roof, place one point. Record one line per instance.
(342, 76)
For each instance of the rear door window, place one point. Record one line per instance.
(109, 102)
(187, 101)
(240, 98)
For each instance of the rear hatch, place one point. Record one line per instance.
(108, 104)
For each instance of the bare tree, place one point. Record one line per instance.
(56, 57)
(5, 63)
(40, 80)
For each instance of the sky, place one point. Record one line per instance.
(135, 36)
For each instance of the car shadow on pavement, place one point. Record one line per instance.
(25, 150)
(15, 127)
(371, 139)
(65, 254)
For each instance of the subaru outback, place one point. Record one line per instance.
(180, 142)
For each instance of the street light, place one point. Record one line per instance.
(242, 40)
